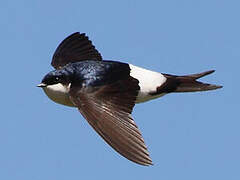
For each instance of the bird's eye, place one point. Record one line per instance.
(56, 78)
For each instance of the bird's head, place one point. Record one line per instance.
(56, 85)
(53, 78)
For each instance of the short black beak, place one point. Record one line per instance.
(41, 85)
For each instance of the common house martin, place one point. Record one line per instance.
(105, 92)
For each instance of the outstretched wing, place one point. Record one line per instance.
(76, 47)
(108, 110)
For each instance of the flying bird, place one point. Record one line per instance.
(105, 92)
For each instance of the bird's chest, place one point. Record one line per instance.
(59, 93)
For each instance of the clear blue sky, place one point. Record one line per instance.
(189, 136)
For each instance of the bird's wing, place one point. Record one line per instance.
(76, 47)
(108, 110)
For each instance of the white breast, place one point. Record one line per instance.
(148, 82)
(59, 94)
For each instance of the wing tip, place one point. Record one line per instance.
(144, 160)
(146, 163)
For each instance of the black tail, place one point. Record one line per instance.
(188, 83)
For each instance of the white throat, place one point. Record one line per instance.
(59, 93)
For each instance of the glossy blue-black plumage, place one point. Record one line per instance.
(89, 73)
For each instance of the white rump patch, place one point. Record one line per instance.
(148, 82)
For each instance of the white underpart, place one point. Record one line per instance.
(148, 82)
(59, 93)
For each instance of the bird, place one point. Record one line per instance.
(105, 92)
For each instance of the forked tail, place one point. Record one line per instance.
(189, 83)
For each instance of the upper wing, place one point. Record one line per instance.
(76, 47)
(108, 110)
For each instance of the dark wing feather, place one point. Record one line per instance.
(76, 47)
(108, 110)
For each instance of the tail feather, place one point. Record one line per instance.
(196, 86)
(199, 75)
(189, 83)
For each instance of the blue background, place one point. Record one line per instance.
(189, 136)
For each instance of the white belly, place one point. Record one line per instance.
(59, 94)
(148, 82)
